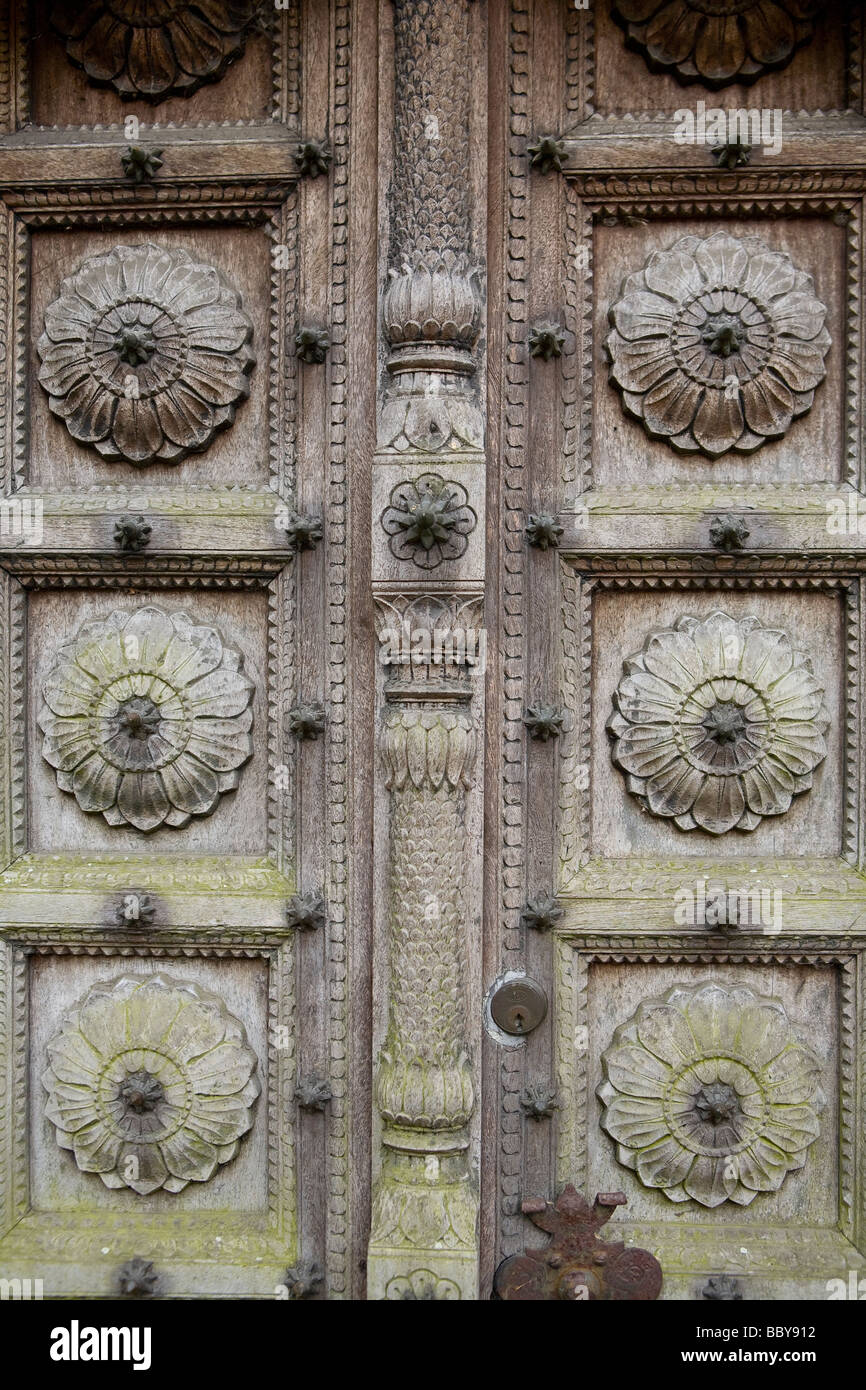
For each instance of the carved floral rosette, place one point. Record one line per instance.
(154, 50)
(718, 722)
(145, 354)
(146, 718)
(717, 42)
(717, 344)
(150, 1083)
(710, 1095)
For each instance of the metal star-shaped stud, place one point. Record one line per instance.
(547, 154)
(304, 1279)
(311, 344)
(543, 721)
(539, 1100)
(304, 532)
(140, 164)
(546, 340)
(728, 532)
(135, 910)
(137, 1278)
(543, 531)
(307, 721)
(313, 1093)
(732, 155)
(306, 911)
(313, 158)
(541, 913)
(722, 1288)
(132, 534)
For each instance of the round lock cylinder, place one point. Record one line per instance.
(518, 1006)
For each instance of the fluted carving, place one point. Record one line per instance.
(425, 1079)
(431, 305)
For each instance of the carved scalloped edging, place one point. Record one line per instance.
(337, 796)
(850, 1191)
(17, 657)
(512, 636)
(579, 64)
(575, 680)
(14, 1172)
(853, 442)
(573, 395)
(283, 378)
(14, 956)
(60, 873)
(674, 949)
(854, 93)
(852, 801)
(281, 679)
(7, 365)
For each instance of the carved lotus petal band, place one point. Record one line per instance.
(718, 722)
(150, 1083)
(155, 50)
(145, 354)
(710, 1095)
(717, 344)
(146, 718)
(717, 42)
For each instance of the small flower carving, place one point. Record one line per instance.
(710, 1095)
(428, 521)
(151, 51)
(422, 1286)
(718, 722)
(546, 340)
(145, 354)
(306, 911)
(150, 1083)
(146, 718)
(717, 42)
(311, 344)
(717, 344)
(304, 1280)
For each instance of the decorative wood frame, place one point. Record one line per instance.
(285, 74)
(40, 1243)
(750, 1249)
(574, 852)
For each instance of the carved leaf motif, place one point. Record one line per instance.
(717, 42)
(718, 723)
(717, 344)
(710, 1095)
(150, 1083)
(145, 354)
(153, 51)
(146, 718)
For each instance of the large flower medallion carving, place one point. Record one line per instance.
(717, 344)
(145, 354)
(150, 51)
(146, 718)
(717, 723)
(150, 1082)
(710, 1095)
(717, 42)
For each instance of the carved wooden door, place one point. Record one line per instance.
(176, 820)
(675, 302)
(431, 612)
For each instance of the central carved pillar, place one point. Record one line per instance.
(428, 571)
